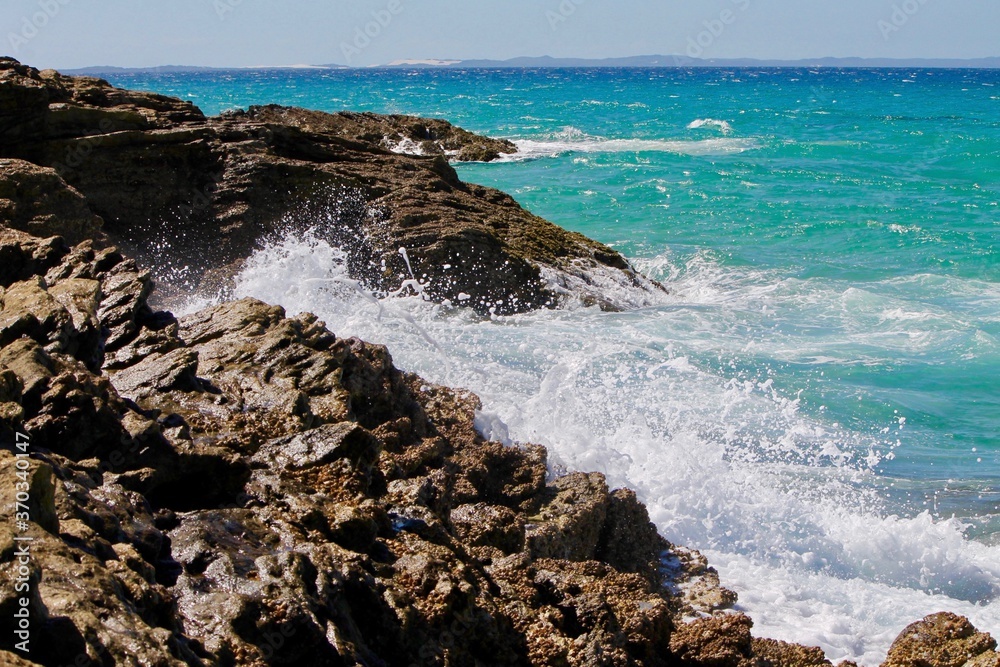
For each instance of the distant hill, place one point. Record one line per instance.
(630, 61)
(107, 69)
(102, 70)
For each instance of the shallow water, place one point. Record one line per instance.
(815, 405)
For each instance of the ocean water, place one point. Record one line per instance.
(816, 403)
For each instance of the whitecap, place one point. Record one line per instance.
(721, 125)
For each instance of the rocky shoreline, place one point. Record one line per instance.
(240, 487)
(206, 191)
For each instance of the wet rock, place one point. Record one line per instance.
(241, 487)
(510, 476)
(585, 613)
(687, 574)
(36, 479)
(322, 445)
(629, 541)
(568, 526)
(940, 640)
(126, 290)
(988, 659)
(176, 369)
(23, 256)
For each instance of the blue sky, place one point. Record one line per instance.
(76, 33)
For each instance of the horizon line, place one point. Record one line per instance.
(674, 61)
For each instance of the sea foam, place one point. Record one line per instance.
(721, 125)
(789, 507)
(572, 140)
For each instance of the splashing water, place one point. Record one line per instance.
(790, 508)
(815, 405)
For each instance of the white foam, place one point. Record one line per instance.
(528, 149)
(580, 280)
(573, 140)
(721, 125)
(404, 145)
(788, 507)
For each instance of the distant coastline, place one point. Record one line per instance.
(655, 61)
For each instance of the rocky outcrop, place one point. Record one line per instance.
(240, 487)
(942, 640)
(157, 170)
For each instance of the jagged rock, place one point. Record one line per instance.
(37, 481)
(716, 641)
(482, 525)
(510, 476)
(320, 446)
(23, 256)
(61, 317)
(219, 186)
(696, 584)
(629, 541)
(37, 200)
(176, 369)
(783, 654)
(584, 613)
(988, 659)
(70, 410)
(941, 640)
(568, 525)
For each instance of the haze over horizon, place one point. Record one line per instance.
(69, 34)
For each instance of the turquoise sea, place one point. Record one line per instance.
(816, 405)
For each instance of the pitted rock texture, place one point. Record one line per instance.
(942, 640)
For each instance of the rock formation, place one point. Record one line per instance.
(157, 170)
(240, 487)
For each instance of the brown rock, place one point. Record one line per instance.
(261, 491)
(568, 526)
(629, 541)
(716, 641)
(37, 200)
(483, 525)
(939, 640)
(783, 654)
(224, 184)
(23, 256)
